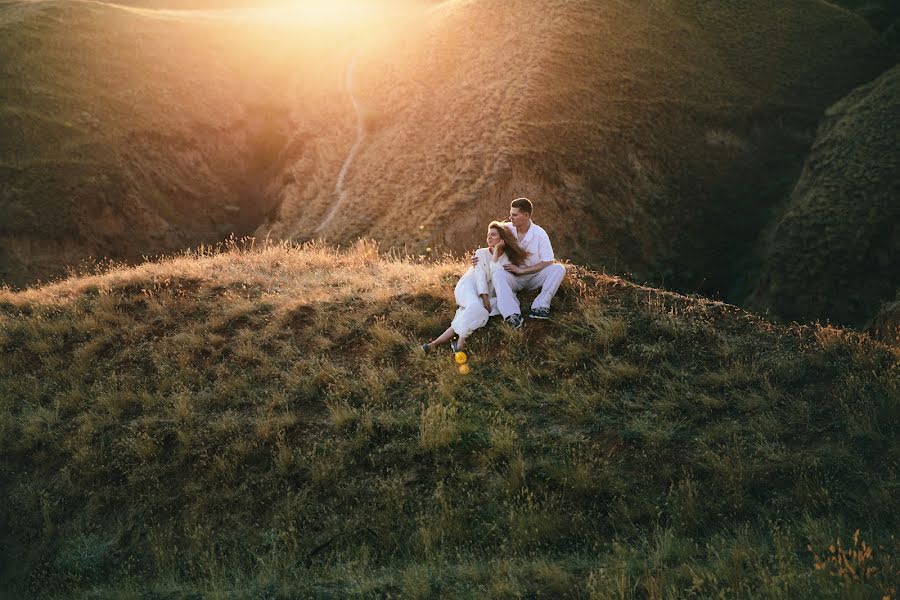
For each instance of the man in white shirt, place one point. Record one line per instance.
(540, 271)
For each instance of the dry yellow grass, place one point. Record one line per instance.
(317, 275)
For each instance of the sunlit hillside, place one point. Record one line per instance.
(262, 424)
(126, 131)
(655, 137)
(659, 139)
(834, 253)
(257, 419)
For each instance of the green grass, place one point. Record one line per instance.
(261, 424)
(833, 252)
(881, 15)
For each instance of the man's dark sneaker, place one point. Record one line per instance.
(426, 348)
(539, 313)
(453, 346)
(514, 321)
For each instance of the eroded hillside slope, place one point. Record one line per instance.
(654, 137)
(834, 254)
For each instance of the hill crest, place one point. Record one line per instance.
(256, 418)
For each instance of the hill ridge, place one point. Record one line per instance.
(615, 129)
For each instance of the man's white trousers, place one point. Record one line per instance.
(507, 285)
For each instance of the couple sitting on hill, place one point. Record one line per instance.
(518, 257)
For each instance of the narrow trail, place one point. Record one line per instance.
(339, 192)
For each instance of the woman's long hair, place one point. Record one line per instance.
(511, 247)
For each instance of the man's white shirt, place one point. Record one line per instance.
(537, 242)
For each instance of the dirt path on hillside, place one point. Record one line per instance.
(339, 193)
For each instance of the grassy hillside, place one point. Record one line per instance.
(655, 137)
(883, 15)
(260, 424)
(835, 252)
(124, 133)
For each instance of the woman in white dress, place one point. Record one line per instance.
(475, 292)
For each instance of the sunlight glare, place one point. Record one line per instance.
(307, 14)
(317, 13)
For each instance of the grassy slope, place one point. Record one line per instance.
(664, 132)
(653, 136)
(835, 252)
(883, 15)
(258, 424)
(123, 135)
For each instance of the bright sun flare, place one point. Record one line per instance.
(308, 13)
(317, 12)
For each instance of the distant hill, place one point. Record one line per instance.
(126, 134)
(834, 254)
(263, 425)
(655, 137)
(883, 15)
(658, 139)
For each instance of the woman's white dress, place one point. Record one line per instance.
(471, 313)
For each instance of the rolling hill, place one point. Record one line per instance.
(658, 139)
(655, 138)
(256, 420)
(883, 15)
(834, 253)
(125, 134)
(261, 423)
